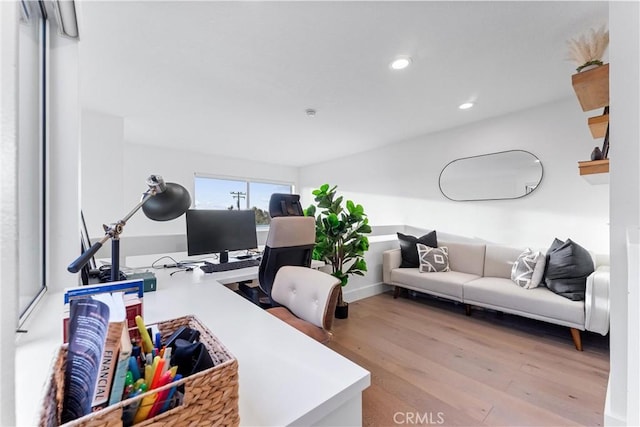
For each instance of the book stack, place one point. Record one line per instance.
(97, 332)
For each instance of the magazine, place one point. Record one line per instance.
(88, 323)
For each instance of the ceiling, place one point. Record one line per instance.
(235, 78)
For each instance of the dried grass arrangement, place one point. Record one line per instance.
(589, 48)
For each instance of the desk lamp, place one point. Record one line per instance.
(161, 202)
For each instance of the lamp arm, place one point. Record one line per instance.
(111, 232)
(146, 196)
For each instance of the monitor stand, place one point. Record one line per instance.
(224, 257)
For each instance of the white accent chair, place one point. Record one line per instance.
(307, 300)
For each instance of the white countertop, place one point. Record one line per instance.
(285, 377)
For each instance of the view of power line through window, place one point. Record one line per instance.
(217, 193)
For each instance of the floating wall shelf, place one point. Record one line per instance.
(592, 90)
(598, 125)
(592, 87)
(595, 171)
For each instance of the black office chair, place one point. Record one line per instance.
(290, 241)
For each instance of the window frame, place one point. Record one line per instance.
(30, 11)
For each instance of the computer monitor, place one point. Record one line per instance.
(220, 231)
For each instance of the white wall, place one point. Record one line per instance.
(101, 155)
(114, 173)
(623, 392)
(398, 184)
(64, 161)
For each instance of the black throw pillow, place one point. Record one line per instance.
(568, 266)
(409, 251)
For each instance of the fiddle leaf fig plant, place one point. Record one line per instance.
(341, 239)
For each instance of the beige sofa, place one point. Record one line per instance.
(481, 276)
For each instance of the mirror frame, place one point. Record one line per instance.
(484, 155)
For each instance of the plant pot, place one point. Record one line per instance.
(342, 311)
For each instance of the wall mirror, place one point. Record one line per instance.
(495, 176)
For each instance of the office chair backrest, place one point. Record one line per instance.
(310, 295)
(290, 242)
(282, 204)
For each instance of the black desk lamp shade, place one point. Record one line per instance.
(161, 202)
(168, 205)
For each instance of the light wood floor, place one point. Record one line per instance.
(430, 364)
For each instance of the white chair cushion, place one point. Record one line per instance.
(304, 291)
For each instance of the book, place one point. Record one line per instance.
(133, 301)
(88, 323)
(117, 389)
(116, 327)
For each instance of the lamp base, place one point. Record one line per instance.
(104, 275)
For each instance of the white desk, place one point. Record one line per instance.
(286, 378)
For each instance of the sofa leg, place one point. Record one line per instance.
(577, 340)
(396, 292)
(467, 309)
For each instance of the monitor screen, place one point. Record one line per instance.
(218, 231)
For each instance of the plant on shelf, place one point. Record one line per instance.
(340, 236)
(588, 49)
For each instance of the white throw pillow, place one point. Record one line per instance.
(433, 259)
(528, 269)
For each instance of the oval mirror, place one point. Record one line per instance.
(495, 176)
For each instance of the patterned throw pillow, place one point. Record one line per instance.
(528, 269)
(433, 259)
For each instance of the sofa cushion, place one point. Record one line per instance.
(433, 259)
(446, 284)
(567, 269)
(528, 269)
(538, 303)
(499, 260)
(409, 250)
(466, 257)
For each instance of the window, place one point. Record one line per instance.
(228, 193)
(32, 92)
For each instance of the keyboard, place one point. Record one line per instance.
(226, 266)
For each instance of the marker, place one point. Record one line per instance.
(148, 375)
(158, 340)
(134, 368)
(157, 373)
(162, 395)
(172, 390)
(146, 339)
(145, 408)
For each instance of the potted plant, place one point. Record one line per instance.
(340, 237)
(587, 50)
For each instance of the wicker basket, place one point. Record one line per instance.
(210, 396)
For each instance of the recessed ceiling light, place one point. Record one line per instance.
(401, 63)
(465, 106)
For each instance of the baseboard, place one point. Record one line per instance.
(351, 295)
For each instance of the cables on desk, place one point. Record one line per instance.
(182, 269)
